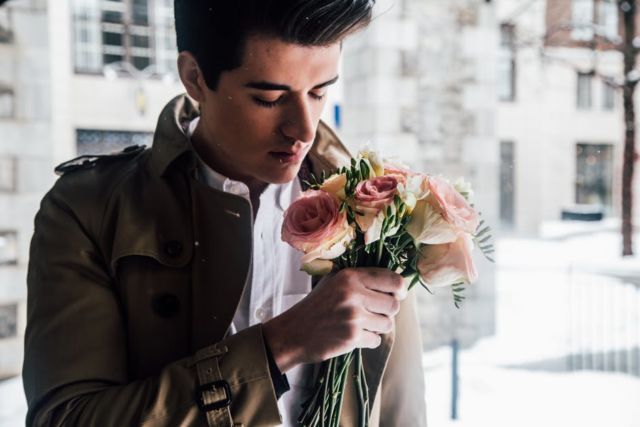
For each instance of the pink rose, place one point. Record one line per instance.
(370, 200)
(442, 215)
(454, 207)
(448, 263)
(376, 192)
(314, 225)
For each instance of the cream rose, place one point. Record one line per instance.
(442, 215)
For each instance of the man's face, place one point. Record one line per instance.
(260, 122)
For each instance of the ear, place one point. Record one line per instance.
(191, 76)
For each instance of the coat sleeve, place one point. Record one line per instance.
(403, 391)
(75, 367)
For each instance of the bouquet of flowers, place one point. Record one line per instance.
(377, 213)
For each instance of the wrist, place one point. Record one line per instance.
(285, 353)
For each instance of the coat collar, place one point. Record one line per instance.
(171, 140)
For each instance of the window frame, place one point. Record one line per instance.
(582, 103)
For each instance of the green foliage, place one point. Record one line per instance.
(483, 240)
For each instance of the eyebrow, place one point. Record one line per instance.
(263, 85)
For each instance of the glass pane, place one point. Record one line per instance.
(140, 12)
(112, 39)
(582, 20)
(7, 104)
(111, 16)
(594, 174)
(608, 97)
(8, 320)
(584, 91)
(8, 248)
(110, 58)
(140, 41)
(507, 184)
(7, 174)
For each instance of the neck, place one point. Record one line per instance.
(207, 152)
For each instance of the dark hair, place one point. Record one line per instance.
(215, 31)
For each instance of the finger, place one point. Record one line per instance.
(377, 323)
(380, 303)
(369, 340)
(383, 280)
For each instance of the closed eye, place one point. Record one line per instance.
(271, 104)
(267, 104)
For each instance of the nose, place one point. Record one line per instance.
(300, 122)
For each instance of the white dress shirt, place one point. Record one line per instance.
(275, 282)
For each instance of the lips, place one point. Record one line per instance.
(288, 156)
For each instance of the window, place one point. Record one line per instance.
(8, 169)
(91, 141)
(507, 64)
(138, 32)
(6, 35)
(608, 96)
(594, 174)
(87, 36)
(7, 102)
(607, 19)
(507, 184)
(8, 321)
(583, 99)
(8, 248)
(582, 20)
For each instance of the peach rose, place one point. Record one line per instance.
(335, 185)
(448, 263)
(371, 199)
(314, 225)
(442, 215)
(398, 172)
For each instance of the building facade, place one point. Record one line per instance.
(560, 115)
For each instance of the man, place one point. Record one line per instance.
(160, 293)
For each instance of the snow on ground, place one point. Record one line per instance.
(555, 299)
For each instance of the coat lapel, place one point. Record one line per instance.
(222, 259)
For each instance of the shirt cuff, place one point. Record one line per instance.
(279, 380)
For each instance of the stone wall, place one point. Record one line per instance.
(420, 85)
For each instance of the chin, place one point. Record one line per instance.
(284, 177)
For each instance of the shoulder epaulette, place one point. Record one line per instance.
(88, 161)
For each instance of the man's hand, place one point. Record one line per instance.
(346, 310)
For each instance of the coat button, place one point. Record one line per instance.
(173, 248)
(165, 305)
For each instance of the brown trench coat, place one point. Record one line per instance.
(135, 273)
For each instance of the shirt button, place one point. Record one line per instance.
(262, 314)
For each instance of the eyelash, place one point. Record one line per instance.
(271, 104)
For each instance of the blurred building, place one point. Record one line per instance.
(560, 116)
(76, 77)
(420, 84)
